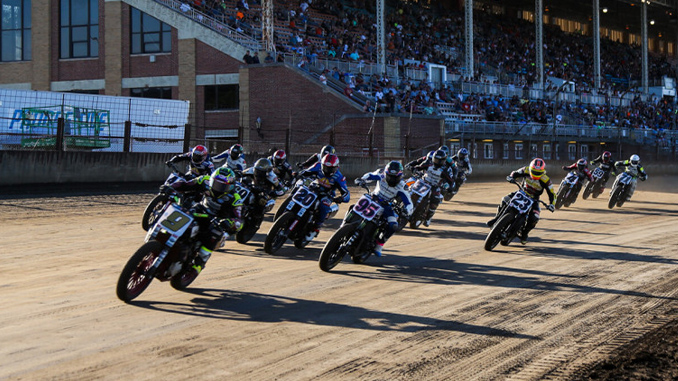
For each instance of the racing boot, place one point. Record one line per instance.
(200, 261)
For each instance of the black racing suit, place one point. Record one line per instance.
(608, 168)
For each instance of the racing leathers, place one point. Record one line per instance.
(222, 216)
(237, 165)
(434, 176)
(534, 188)
(284, 171)
(195, 170)
(385, 193)
(328, 187)
(462, 168)
(581, 174)
(268, 183)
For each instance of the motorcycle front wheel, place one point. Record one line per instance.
(337, 247)
(152, 211)
(614, 196)
(588, 190)
(134, 278)
(560, 196)
(498, 231)
(248, 231)
(277, 236)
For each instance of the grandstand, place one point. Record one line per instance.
(423, 95)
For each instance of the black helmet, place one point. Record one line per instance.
(581, 164)
(327, 150)
(235, 151)
(393, 172)
(439, 158)
(261, 168)
(606, 156)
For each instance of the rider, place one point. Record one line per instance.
(633, 163)
(199, 161)
(281, 167)
(435, 172)
(463, 165)
(580, 168)
(607, 165)
(316, 158)
(390, 185)
(328, 178)
(235, 159)
(535, 181)
(221, 204)
(263, 177)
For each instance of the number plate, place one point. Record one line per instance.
(625, 178)
(571, 178)
(597, 173)
(421, 188)
(243, 191)
(521, 202)
(175, 221)
(304, 197)
(367, 208)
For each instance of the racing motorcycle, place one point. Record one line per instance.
(420, 193)
(297, 219)
(171, 246)
(165, 197)
(622, 186)
(256, 203)
(357, 235)
(512, 220)
(449, 191)
(594, 188)
(567, 192)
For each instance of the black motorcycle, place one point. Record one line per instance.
(256, 203)
(594, 188)
(512, 220)
(165, 197)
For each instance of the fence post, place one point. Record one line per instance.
(407, 147)
(187, 137)
(287, 141)
(371, 136)
(127, 142)
(59, 144)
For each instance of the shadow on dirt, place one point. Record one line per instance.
(249, 306)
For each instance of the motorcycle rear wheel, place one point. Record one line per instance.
(151, 213)
(498, 229)
(335, 249)
(419, 214)
(247, 232)
(277, 236)
(133, 279)
(184, 278)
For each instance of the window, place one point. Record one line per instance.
(474, 152)
(79, 28)
(506, 151)
(152, 92)
(149, 35)
(572, 151)
(488, 151)
(534, 151)
(584, 150)
(222, 97)
(15, 43)
(519, 150)
(557, 152)
(547, 151)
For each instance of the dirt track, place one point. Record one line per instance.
(436, 306)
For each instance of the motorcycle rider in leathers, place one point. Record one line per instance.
(282, 168)
(199, 161)
(263, 177)
(535, 182)
(390, 184)
(634, 162)
(580, 168)
(222, 207)
(329, 179)
(462, 165)
(435, 172)
(607, 165)
(235, 159)
(316, 158)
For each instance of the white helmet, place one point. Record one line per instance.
(634, 160)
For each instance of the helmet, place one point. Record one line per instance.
(439, 158)
(607, 155)
(537, 168)
(262, 167)
(634, 160)
(279, 157)
(222, 181)
(462, 154)
(581, 164)
(236, 151)
(326, 149)
(445, 148)
(199, 154)
(330, 164)
(393, 172)
(429, 156)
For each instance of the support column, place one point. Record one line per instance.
(267, 26)
(381, 32)
(539, 32)
(187, 87)
(643, 32)
(42, 47)
(468, 30)
(112, 48)
(596, 44)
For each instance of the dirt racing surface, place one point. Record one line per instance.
(592, 289)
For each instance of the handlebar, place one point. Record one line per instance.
(520, 186)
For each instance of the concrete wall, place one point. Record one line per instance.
(51, 167)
